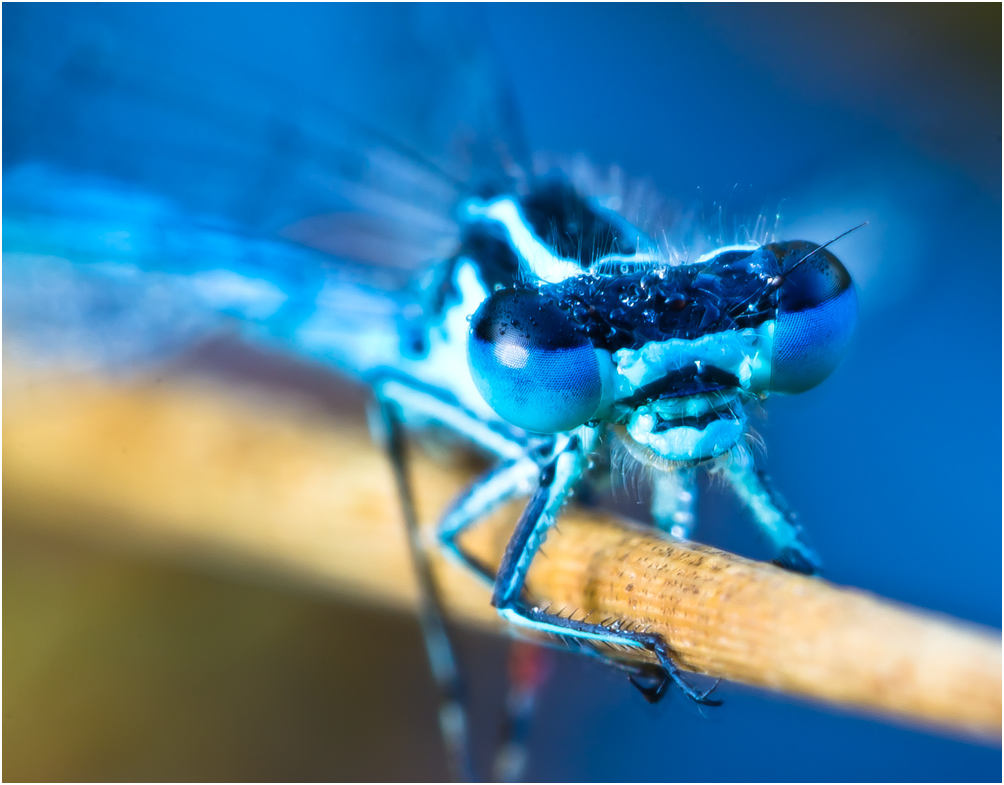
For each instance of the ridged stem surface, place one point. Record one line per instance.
(289, 488)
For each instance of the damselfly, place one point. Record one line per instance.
(543, 325)
(571, 348)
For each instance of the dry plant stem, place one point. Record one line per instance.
(197, 470)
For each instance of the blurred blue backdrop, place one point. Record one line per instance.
(827, 115)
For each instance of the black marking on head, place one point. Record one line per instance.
(678, 384)
(810, 275)
(526, 318)
(628, 310)
(700, 422)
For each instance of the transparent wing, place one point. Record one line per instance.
(235, 159)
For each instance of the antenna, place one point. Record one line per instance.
(781, 277)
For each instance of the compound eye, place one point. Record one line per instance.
(530, 364)
(815, 319)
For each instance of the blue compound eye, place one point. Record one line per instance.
(531, 365)
(815, 317)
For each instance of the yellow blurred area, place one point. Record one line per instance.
(135, 649)
(119, 667)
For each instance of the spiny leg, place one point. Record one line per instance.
(498, 485)
(674, 499)
(495, 487)
(517, 475)
(772, 516)
(422, 404)
(649, 679)
(558, 477)
(674, 495)
(442, 660)
(653, 687)
(527, 662)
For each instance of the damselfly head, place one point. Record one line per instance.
(816, 313)
(670, 353)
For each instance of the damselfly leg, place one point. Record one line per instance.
(753, 488)
(439, 649)
(674, 497)
(558, 477)
(549, 468)
(497, 486)
(674, 494)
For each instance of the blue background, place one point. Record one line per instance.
(829, 115)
